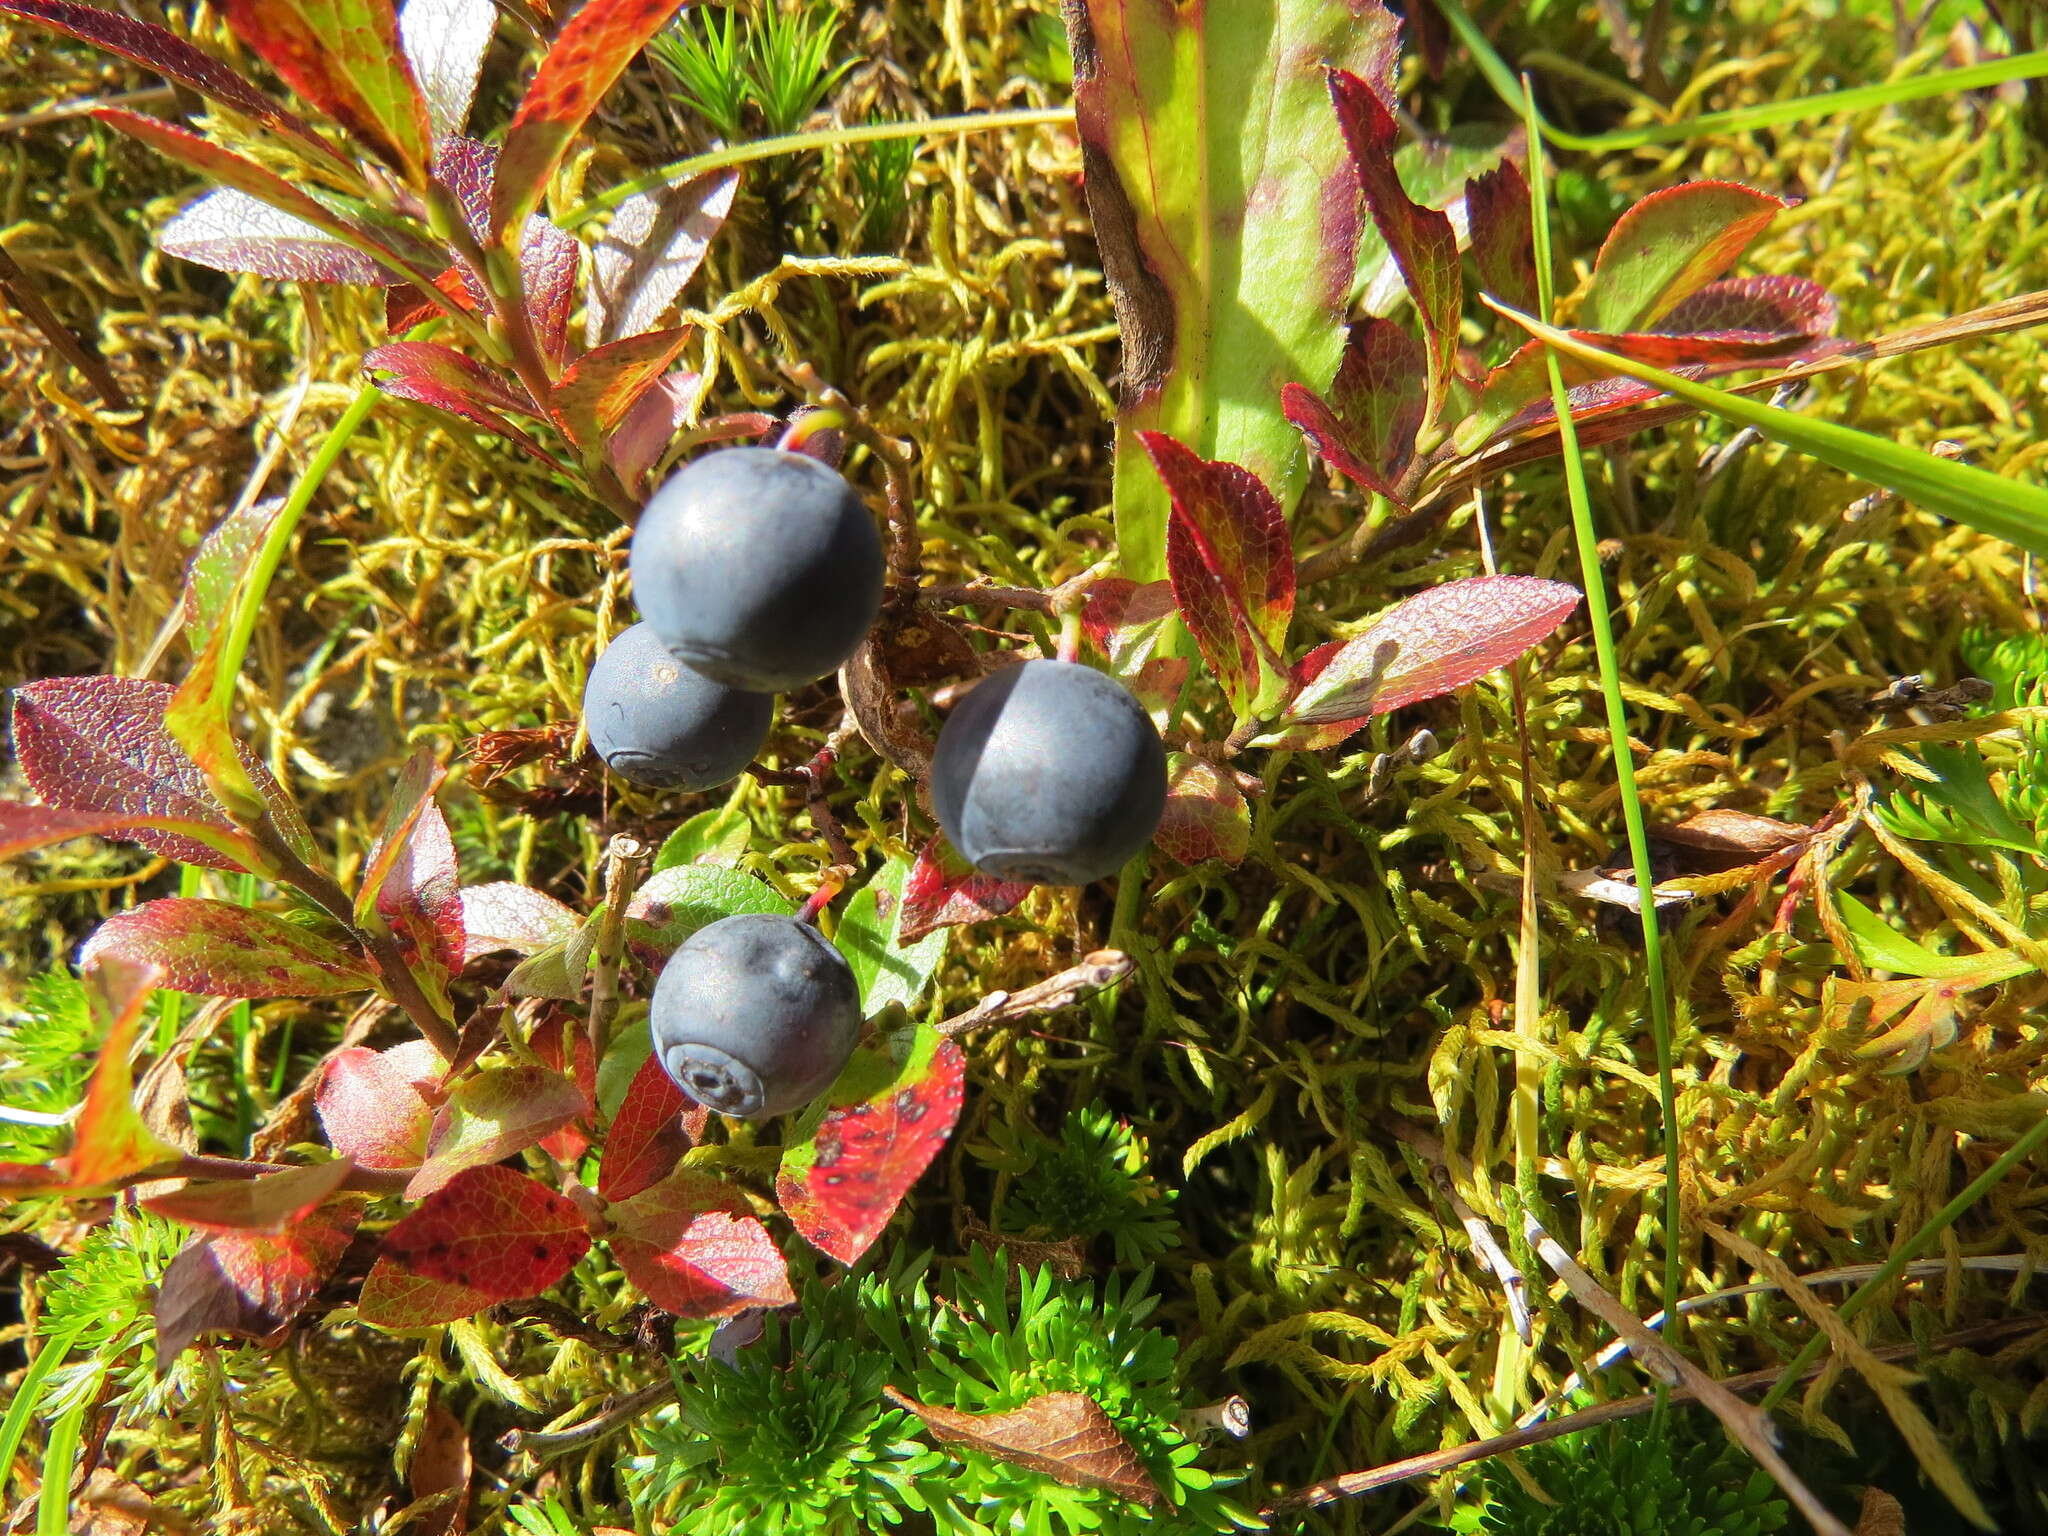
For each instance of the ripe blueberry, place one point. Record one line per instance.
(658, 723)
(760, 568)
(755, 1014)
(1049, 772)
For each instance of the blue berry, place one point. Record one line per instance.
(658, 723)
(760, 568)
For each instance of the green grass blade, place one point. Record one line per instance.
(2005, 509)
(1601, 618)
(29, 1393)
(60, 1462)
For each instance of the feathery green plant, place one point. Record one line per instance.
(1630, 1480)
(1089, 1182)
(779, 62)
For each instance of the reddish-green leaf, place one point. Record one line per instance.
(166, 54)
(549, 262)
(110, 1143)
(1226, 221)
(220, 949)
(410, 880)
(1324, 734)
(374, 1107)
(250, 1285)
(944, 889)
(395, 1297)
(99, 744)
(503, 915)
(271, 1203)
(1503, 242)
(587, 55)
(24, 828)
(563, 1044)
(1366, 428)
(693, 1249)
(490, 1116)
(655, 1126)
(650, 251)
(445, 42)
(600, 387)
(1424, 245)
(855, 1155)
(1231, 564)
(650, 427)
(1786, 307)
(344, 57)
(1206, 816)
(454, 371)
(1433, 642)
(456, 401)
(231, 231)
(214, 573)
(490, 1231)
(1668, 245)
(1125, 621)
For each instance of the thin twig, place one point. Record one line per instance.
(1490, 1253)
(1102, 968)
(613, 1416)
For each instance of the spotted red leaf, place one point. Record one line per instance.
(344, 57)
(597, 391)
(110, 1144)
(856, 1154)
(651, 249)
(231, 231)
(656, 1124)
(491, 1115)
(693, 1249)
(1503, 244)
(250, 1285)
(587, 55)
(1365, 428)
(1431, 643)
(271, 1203)
(490, 1232)
(1231, 564)
(504, 915)
(944, 889)
(410, 880)
(1668, 245)
(1423, 244)
(374, 1106)
(99, 744)
(220, 949)
(1206, 816)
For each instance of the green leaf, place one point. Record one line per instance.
(1884, 948)
(869, 935)
(1991, 504)
(675, 903)
(1221, 200)
(1961, 806)
(709, 837)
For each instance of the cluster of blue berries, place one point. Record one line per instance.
(758, 570)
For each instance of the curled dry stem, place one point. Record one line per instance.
(1102, 968)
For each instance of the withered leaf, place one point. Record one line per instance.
(1065, 1435)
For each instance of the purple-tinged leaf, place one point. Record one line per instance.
(468, 168)
(410, 880)
(1667, 246)
(25, 828)
(943, 889)
(1431, 643)
(166, 54)
(649, 429)
(344, 57)
(250, 1285)
(445, 42)
(219, 949)
(1206, 816)
(99, 744)
(231, 231)
(1788, 307)
(654, 1127)
(1324, 734)
(454, 371)
(270, 1202)
(855, 1154)
(491, 1115)
(491, 1235)
(693, 1248)
(653, 247)
(596, 392)
(1232, 566)
(587, 55)
(1366, 428)
(373, 1104)
(548, 265)
(1424, 245)
(460, 403)
(503, 915)
(1503, 240)
(1227, 223)
(1436, 173)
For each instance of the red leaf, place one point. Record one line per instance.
(1432, 643)
(548, 265)
(219, 949)
(503, 915)
(489, 1230)
(410, 880)
(1123, 620)
(586, 57)
(459, 402)
(650, 251)
(250, 1285)
(451, 370)
(110, 1144)
(1366, 429)
(597, 390)
(1422, 242)
(231, 231)
(270, 1203)
(1785, 307)
(876, 1130)
(1503, 242)
(406, 307)
(656, 1124)
(394, 1297)
(490, 1116)
(562, 1027)
(1667, 246)
(1206, 816)
(1315, 738)
(344, 57)
(373, 1105)
(650, 427)
(944, 889)
(691, 1247)
(99, 744)
(165, 54)
(468, 168)
(1231, 565)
